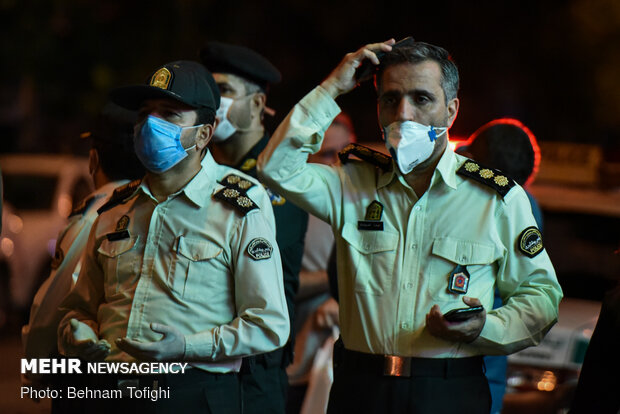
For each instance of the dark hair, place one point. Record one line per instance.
(205, 116)
(113, 140)
(509, 146)
(421, 52)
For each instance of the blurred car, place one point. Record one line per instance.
(40, 192)
(581, 232)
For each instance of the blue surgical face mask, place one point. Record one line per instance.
(158, 144)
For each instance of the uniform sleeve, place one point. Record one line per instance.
(283, 163)
(528, 286)
(262, 322)
(83, 301)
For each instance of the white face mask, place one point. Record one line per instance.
(225, 129)
(410, 143)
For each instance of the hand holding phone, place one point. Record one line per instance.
(367, 68)
(462, 314)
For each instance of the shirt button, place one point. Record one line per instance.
(463, 258)
(404, 325)
(414, 246)
(409, 285)
(417, 208)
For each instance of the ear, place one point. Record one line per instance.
(204, 135)
(259, 101)
(453, 109)
(93, 161)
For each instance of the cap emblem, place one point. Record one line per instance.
(161, 78)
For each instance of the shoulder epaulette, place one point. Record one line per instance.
(366, 154)
(491, 177)
(234, 193)
(236, 182)
(83, 206)
(119, 195)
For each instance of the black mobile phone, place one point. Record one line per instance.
(462, 314)
(367, 67)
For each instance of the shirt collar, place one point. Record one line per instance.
(198, 189)
(446, 169)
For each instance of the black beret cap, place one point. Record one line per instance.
(185, 81)
(240, 61)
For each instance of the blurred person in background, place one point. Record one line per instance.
(112, 163)
(181, 266)
(597, 389)
(244, 78)
(509, 146)
(316, 311)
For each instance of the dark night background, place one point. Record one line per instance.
(552, 64)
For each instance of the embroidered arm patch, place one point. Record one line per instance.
(530, 242)
(260, 249)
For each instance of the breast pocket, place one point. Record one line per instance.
(197, 273)
(449, 252)
(373, 254)
(120, 262)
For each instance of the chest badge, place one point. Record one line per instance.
(122, 223)
(459, 280)
(372, 220)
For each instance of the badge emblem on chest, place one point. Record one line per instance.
(459, 280)
(372, 220)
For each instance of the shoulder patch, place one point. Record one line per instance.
(236, 198)
(236, 182)
(120, 195)
(83, 206)
(487, 176)
(530, 242)
(366, 154)
(259, 249)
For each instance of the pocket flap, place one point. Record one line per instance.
(369, 241)
(463, 252)
(114, 248)
(196, 249)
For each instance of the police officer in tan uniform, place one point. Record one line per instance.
(182, 265)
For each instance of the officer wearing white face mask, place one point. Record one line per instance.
(244, 77)
(182, 265)
(417, 235)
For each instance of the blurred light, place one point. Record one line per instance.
(7, 246)
(547, 382)
(64, 205)
(15, 224)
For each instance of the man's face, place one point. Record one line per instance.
(174, 112)
(336, 138)
(234, 87)
(412, 92)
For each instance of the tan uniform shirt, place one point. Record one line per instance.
(39, 336)
(186, 262)
(390, 278)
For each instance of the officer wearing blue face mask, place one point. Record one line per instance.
(417, 235)
(182, 265)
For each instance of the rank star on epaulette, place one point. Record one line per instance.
(238, 199)
(236, 182)
(488, 176)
